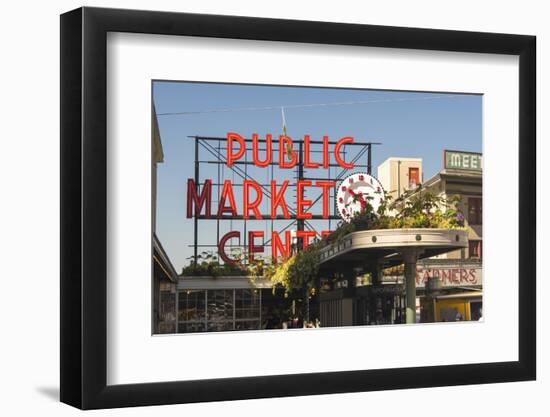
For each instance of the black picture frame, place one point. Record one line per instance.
(84, 207)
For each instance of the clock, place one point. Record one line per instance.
(355, 192)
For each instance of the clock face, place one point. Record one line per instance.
(355, 192)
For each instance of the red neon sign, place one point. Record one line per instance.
(199, 197)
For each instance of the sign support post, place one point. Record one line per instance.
(410, 257)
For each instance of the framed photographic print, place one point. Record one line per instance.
(255, 207)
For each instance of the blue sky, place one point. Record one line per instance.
(408, 124)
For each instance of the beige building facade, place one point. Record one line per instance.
(468, 186)
(461, 175)
(398, 175)
(457, 289)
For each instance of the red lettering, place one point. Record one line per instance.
(307, 146)
(254, 204)
(326, 186)
(227, 193)
(418, 276)
(278, 199)
(305, 235)
(277, 246)
(221, 247)
(204, 199)
(339, 144)
(301, 203)
(286, 147)
(255, 151)
(445, 276)
(326, 155)
(454, 277)
(252, 248)
(242, 147)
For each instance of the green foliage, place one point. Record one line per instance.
(297, 273)
(280, 276)
(418, 208)
(208, 265)
(340, 232)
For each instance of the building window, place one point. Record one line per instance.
(219, 310)
(474, 210)
(414, 177)
(476, 310)
(192, 311)
(167, 312)
(475, 249)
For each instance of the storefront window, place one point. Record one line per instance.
(247, 304)
(474, 250)
(474, 210)
(219, 310)
(167, 312)
(220, 305)
(191, 311)
(476, 310)
(191, 306)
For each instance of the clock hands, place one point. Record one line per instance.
(367, 190)
(358, 196)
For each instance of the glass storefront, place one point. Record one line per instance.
(380, 305)
(219, 310)
(166, 316)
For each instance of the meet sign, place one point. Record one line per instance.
(465, 161)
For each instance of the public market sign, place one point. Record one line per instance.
(464, 161)
(200, 202)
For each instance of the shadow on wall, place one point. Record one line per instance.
(49, 392)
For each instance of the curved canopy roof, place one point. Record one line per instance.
(359, 249)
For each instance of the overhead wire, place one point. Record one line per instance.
(297, 106)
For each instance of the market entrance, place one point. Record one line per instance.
(368, 251)
(380, 304)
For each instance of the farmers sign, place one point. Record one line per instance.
(459, 275)
(450, 274)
